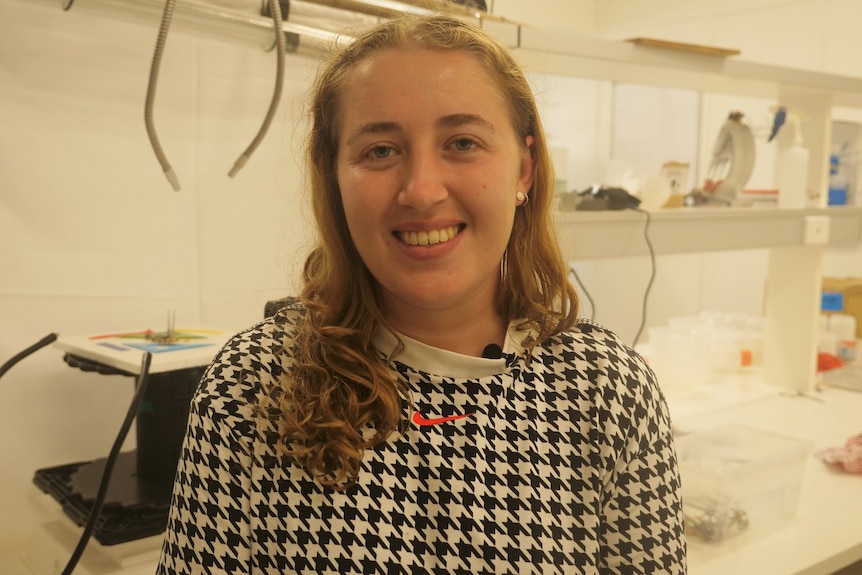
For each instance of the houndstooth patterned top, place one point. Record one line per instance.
(561, 464)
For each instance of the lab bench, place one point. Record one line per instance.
(826, 533)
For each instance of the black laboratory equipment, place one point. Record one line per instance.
(138, 498)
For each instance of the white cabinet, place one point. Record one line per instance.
(796, 239)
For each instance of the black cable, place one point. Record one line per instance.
(47, 340)
(141, 388)
(586, 293)
(651, 278)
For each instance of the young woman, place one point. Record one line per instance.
(430, 404)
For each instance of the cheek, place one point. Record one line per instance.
(348, 192)
(353, 215)
(363, 192)
(360, 207)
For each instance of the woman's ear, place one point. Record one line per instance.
(528, 164)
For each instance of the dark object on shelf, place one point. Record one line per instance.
(701, 198)
(602, 198)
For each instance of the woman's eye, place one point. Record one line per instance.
(463, 144)
(380, 152)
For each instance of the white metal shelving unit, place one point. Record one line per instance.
(814, 93)
(609, 234)
(796, 239)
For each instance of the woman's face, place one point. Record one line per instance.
(428, 168)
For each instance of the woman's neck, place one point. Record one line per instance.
(467, 332)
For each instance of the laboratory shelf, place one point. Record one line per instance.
(792, 291)
(585, 235)
(792, 294)
(813, 93)
(566, 54)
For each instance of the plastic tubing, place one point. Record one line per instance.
(152, 84)
(275, 8)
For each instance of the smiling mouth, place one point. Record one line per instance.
(430, 238)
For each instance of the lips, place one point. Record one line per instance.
(428, 238)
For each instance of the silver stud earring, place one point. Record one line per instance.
(522, 198)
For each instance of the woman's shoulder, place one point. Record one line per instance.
(608, 364)
(254, 358)
(267, 336)
(596, 340)
(621, 380)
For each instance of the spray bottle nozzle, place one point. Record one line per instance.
(785, 114)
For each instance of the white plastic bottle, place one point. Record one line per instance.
(792, 173)
(844, 328)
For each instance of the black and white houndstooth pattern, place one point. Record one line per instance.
(563, 466)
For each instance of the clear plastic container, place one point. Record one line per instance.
(737, 479)
(848, 377)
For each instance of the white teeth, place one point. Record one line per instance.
(429, 238)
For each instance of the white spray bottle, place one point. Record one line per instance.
(792, 162)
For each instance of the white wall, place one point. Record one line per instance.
(571, 15)
(812, 34)
(93, 237)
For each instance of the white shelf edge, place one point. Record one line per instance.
(554, 52)
(585, 235)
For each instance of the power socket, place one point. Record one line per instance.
(816, 230)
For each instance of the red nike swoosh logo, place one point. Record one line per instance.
(420, 419)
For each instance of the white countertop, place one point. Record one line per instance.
(826, 533)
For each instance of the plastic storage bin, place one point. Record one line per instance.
(738, 479)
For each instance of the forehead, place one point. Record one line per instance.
(433, 79)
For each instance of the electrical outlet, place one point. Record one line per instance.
(816, 230)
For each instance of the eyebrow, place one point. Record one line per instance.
(455, 120)
(450, 121)
(373, 128)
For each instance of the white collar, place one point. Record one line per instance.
(429, 359)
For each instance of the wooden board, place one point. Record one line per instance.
(683, 47)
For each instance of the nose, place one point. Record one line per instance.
(423, 181)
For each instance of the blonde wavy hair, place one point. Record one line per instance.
(340, 397)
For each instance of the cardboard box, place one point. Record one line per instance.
(843, 295)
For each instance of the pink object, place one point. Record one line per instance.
(848, 457)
